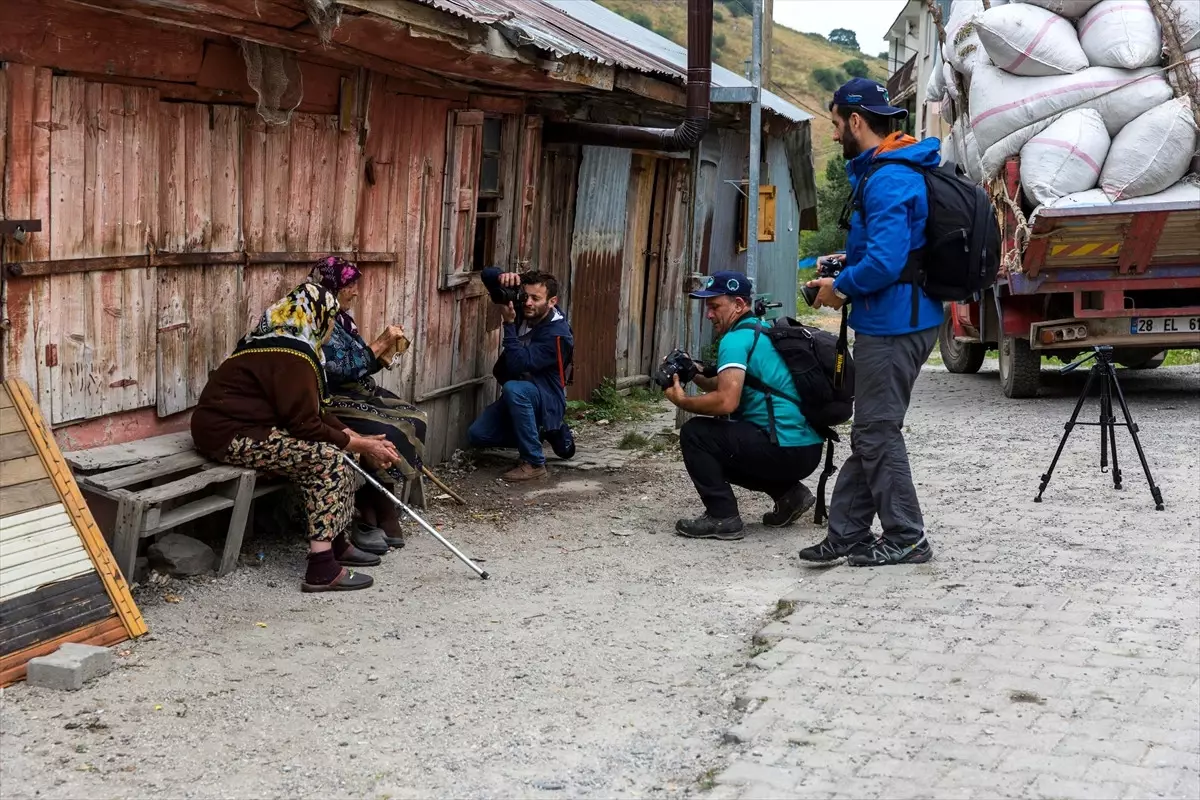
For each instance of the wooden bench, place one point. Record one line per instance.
(154, 485)
(147, 487)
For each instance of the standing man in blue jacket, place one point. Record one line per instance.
(535, 359)
(894, 332)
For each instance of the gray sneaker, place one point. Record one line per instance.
(706, 527)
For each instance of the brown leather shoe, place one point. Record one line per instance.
(525, 472)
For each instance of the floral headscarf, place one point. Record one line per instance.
(335, 274)
(304, 315)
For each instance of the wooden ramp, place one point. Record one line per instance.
(58, 580)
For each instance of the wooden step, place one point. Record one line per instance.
(188, 512)
(140, 473)
(192, 483)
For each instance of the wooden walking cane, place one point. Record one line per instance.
(442, 486)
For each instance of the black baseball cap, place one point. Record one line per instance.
(734, 284)
(867, 95)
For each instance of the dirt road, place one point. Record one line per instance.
(601, 660)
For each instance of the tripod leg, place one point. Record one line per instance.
(1111, 418)
(1105, 399)
(1155, 492)
(1069, 427)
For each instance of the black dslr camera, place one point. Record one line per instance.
(677, 363)
(503, 295)
(826, 268)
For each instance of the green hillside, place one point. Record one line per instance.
(806, 67)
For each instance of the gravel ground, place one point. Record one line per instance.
(601, 660)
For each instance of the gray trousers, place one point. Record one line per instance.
(876, 478)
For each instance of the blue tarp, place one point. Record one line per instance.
(808, 263)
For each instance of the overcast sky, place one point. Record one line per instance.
(869, 19)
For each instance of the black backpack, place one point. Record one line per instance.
(961, 255)
(823, 375)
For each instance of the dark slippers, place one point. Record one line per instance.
(346, 581)
(353, 557)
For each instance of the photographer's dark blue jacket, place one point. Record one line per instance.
(891, 224)
(541, 357)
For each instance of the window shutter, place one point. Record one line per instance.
(464, 152)
(528, 172)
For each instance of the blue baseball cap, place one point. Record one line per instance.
(867, 95)
(734, 284)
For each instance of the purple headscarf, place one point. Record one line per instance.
(335, 274)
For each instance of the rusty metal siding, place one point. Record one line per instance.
(597, 253)
(777, 260)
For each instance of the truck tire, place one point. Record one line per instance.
(961, 358)
(1020, 368)
(1150, 362)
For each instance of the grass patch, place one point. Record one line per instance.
(1182, 358)
(1022, 696)
(632, 441)
(608, 403)
(783, 608)
(759, 649)
(707, 780)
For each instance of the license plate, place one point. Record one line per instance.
(1164, 325)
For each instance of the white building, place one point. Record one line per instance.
(912, 58)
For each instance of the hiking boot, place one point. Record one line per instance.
(886, 552)
(525, 472)
(706, 527)
(827, 551)
(561, 441)
(790, 507)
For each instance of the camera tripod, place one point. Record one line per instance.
(1103, 370)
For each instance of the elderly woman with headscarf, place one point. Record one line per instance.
(363, 405)
(263, 408)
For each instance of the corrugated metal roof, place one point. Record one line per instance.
(589, 30)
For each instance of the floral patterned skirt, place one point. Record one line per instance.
(317, 470)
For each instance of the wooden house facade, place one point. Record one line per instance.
(187, 160)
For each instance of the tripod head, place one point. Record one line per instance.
(761, 306)
(1100, 352)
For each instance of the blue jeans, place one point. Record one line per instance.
(512, 421)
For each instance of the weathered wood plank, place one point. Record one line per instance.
(198, 179)
(318, 192)
(301, 155)
(172, 207)
(226, 179)
(185, 486)
(122, 455)
(16, 445)
(174, 320)
(348, 171)
(276, 192)
(10, 421)
(21, 470)
(155, 468)
(15, 499)
(254, 139)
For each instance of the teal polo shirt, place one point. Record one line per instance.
(791, 428)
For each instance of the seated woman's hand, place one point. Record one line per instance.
(376, 450)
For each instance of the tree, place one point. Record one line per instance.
(856, 68)
(642, 19)
(882, 56)
(844, 37)
(831, 196)
(828, 79)
(718, 16)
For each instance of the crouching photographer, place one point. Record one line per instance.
(732, 443)
(533, 372)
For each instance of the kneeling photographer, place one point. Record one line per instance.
(739, 450)
(535, 361)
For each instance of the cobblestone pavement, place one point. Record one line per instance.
(1048, 650)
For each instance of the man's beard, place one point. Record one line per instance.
(850, 146)
(531, 320)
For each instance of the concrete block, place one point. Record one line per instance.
(69, 667)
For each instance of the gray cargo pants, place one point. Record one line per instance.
(876, 478)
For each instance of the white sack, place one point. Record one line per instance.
(1027, 40)
(935, 89)
(1121, 33)
(1186, 14)
(1002, 104)
(1152, 152)
(1071, 9)
(948, 80)
(1193, 66)
(1179, 193)
(995, 156)
(963, 49)
(1066, 157)
(963, 149)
